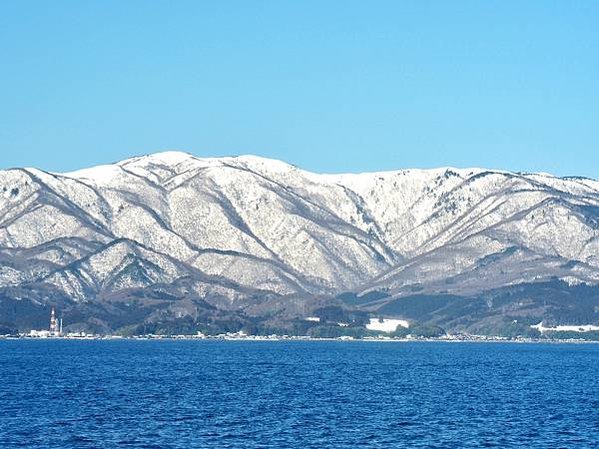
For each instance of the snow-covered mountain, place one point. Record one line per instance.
(268, 225)
(239, 226)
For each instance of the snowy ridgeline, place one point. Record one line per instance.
(235, 226)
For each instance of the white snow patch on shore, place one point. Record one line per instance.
(566, 328)
(386, 324)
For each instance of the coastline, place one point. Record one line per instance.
(279, 338)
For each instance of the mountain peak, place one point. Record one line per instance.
(170, 157)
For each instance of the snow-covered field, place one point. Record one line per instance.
(566, 328)
(386, 324)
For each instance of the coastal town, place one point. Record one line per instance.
(385, 327)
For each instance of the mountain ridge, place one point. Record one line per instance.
(264, 227)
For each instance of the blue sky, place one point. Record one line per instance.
(330, 86)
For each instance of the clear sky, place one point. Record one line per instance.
(330, 86)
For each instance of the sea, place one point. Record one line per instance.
(297, 394)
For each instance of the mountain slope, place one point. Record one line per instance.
(241, 227)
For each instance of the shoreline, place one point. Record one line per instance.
(280, 338)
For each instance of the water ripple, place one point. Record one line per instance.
(197, 394)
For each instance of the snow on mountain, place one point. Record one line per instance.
(255, 223)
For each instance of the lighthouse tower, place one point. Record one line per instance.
(53, 323)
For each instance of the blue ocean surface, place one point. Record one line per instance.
(297, 394)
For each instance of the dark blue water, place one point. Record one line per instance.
(196, 394)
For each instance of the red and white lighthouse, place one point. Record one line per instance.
(53, 323)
